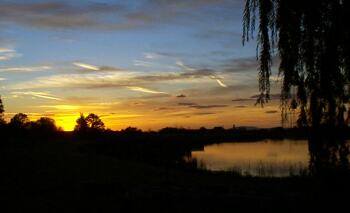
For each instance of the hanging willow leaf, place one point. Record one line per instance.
(313, 43)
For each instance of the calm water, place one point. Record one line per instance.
(262, 158)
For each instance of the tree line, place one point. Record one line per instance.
(21, 122)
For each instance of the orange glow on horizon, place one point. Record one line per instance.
(182, 118)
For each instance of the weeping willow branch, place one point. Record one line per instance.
(313, 44)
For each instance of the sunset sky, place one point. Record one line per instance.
(142, 63)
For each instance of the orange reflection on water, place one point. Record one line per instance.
(274, 158)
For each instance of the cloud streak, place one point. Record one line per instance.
(7, 54)
(25, 69)
(43, 95)
(122, 78)
(221, 83)
(182, 65)
(145, 90)
(86, 66)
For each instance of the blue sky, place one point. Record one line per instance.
(145, 63)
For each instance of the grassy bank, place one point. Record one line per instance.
(57, 176)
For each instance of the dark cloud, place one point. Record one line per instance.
(172, 54)
(272, 96)
(187, 104)
(271, 111)
(111, 16)
(241, 99)
(229, 89)
(205, 113)
(181, 96)
(241, 64)
(109, 68)
(183, 11)
(57, 14)
(217, 34)
(208, 106)
(245, 64)
(163, 108)
(190, 114)
(199, 106)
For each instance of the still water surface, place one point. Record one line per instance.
(263, 158)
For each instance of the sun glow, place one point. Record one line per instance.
(66, 121)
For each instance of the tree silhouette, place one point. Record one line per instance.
(82, 125)
(88, 124)
(20, 121)
(313, 42)
(94, 122)
(44, 124)
(2, 120)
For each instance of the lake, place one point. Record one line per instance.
(276, 158)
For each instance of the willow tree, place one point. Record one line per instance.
(2, 120)
(311, 39)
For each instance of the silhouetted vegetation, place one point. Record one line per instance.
(168, 146)
(121, 169)
(312, 39)
(44, 126)
(2, 110)
(142, 171)
(20, 121)
(89, 125)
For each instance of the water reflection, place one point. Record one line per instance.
(317, 156)
(262, 158)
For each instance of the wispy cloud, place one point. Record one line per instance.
(61, 107)
(141, 63)
(221, 83)
(7, 54)
(74, 108)
(4, 50)
(182, 65)
(25, 69)
(151, 55)
(122, 78)
(86, 66)
(2, 79)
(89, 67)
(145, 90)
(218, 80)
(77, 81)
(43, 95)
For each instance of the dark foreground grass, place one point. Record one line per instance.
(56, 177)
